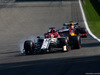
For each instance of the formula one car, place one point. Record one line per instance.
(74, 32)
(51, 40)
(75, 29)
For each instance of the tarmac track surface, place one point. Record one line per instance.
(25, 20)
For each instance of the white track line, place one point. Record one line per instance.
(85, 22)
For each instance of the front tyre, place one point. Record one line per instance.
(29, 47)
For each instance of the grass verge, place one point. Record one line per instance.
(92, 12)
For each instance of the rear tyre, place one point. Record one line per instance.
(29, 47)
(78, 42)
(83, 31)
(75, 42)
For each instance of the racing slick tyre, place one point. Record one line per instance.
(75, 42)
(78, 42)
(29, 47)
(83, 31)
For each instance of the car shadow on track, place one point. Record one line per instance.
(60, 66)
(96, 44)
(45, 53)
(9, 52)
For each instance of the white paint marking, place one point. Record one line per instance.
(65, 48)
(85, 22)
(45, 44)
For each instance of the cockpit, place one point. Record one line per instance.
(51, 31)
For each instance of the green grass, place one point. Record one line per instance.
(92, 12)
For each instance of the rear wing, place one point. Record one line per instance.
(67, 24)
